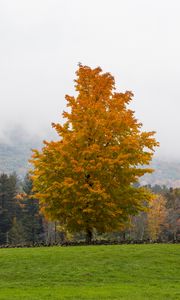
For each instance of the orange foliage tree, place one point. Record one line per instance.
(85, 179)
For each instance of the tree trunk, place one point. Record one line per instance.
(89, 236)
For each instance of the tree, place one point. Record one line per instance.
(8, 189)
(138, 229)
(173, 206)
(85, 179)
(31, 219)
(156, 217)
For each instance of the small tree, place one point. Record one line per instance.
(31, 218)
(86, 179)
(173, 208)
(8, 189)
(156, 217)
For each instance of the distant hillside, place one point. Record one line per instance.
(14, 158)
(165, 173)
(16, 151)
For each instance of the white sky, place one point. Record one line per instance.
(138, 41)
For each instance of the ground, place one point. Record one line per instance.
(91, 272)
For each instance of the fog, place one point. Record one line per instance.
(42, 41)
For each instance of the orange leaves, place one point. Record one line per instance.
(71, 101)
(20, 196)
(68, 182)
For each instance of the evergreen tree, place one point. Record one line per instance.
(8, 189)
(32, 220)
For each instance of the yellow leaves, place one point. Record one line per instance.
(65, 201)
(156, 216)
(88, 210)
(110, 204)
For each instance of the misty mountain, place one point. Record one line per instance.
(165, 173)
(15, 151)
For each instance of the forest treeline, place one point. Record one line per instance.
(22, 223)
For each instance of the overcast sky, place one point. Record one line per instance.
(138, 41)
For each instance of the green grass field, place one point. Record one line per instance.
(131, 272)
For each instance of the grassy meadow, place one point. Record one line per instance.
(131, 272)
